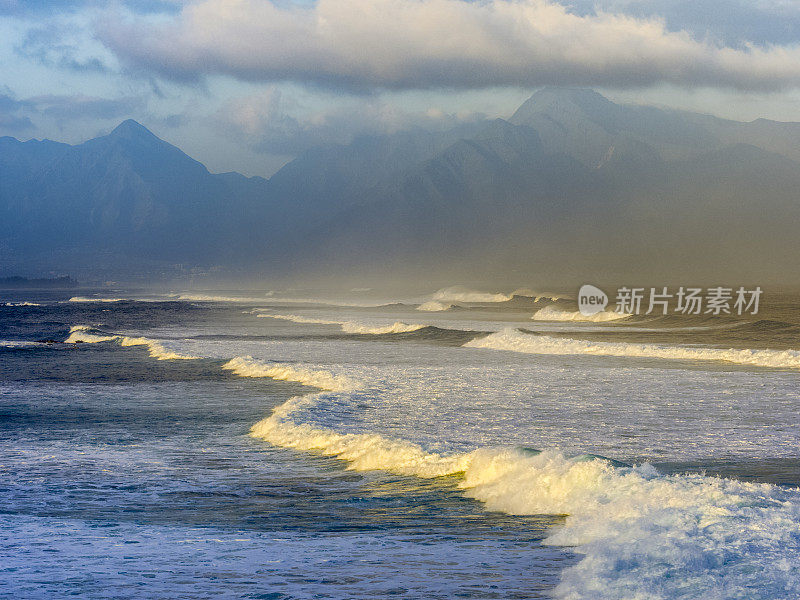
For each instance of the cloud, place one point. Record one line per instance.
(418, 44)
(48, 45)
(78, 106)
(273, 122)
(71, 107)
(49, 7)
(762, 22)
(11, 121)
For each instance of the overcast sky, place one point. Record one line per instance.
(247, 84)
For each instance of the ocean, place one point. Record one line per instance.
(482, 445)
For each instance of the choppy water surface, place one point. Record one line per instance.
(206, 446)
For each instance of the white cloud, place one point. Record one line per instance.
(414, 44)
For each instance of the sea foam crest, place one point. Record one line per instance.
(83, 334)
(641, 534)
(645, 535)
(350, 326)
(461, 294)
(217, 298)
(517, 341)
(551, 313)
(246, 366)
(17, 343)
(434, 306)
(87, 299)
(363, 451)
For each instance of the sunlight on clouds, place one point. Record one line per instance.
(439, 43)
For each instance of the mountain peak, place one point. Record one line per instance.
(575, 101)
(129, 129)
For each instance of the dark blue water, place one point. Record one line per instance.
(126, 477)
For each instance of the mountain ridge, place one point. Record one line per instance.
(569, 164)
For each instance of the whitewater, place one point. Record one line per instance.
(434, 412)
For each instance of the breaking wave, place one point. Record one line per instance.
(246, 366)
(17, 344)
(87, 299)
(551, 313)
(350, 326)
(364, 451)
(635, 527)
(212, 298)
(515, 340)
(645, 535)
(435, 306)
(83, 334)
(640, 534)
(21, 304)
(460, 294)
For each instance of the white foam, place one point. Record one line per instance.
(434, 306)
(87, 299)
(396, 327)
(362, 451)
(641, 534)
(461, 294)
(350, 326)
(17, 343)
(644, 535)
(22, 304)
(246, 366)
(298, 319)
(81, 333)
(551, 313)
(326, 302)
(269, 298)
(213, 298)
(516, 341)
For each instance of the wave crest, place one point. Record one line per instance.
(516, 341)
(350, 326)
(636, 527)
(83, 334)
(87, 299)
(461, 294)
(434, 306)
(551, 313)
(246, 366)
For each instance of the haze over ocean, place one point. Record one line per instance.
(419, 299)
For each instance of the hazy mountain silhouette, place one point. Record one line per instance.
(571, 178)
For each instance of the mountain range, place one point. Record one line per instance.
(571, 186)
